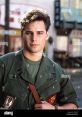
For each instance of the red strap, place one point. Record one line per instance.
(51, 99)
(35, 93)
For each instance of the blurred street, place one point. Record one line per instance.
(76, 78)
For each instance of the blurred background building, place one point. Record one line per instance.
(68, 24)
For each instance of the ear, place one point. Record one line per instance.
(47, 36)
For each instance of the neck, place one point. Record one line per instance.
(32, 56)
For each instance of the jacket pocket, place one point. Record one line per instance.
(49, 88)
(15, 87)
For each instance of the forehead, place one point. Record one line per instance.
(35, 25)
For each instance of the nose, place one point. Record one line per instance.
(34, 38)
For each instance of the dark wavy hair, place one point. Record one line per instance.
(36, 15)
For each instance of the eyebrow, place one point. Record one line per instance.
(28, 31)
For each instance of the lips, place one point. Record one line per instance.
(34, 45)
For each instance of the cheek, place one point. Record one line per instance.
(43, 42)
(25, 39)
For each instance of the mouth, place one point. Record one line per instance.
(34, 45)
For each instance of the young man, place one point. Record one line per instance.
(31, 66)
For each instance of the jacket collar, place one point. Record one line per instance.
(45, 68)
(21, 67)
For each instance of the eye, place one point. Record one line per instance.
(28, 33)
(40, 32)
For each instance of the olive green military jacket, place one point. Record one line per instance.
(14, 80)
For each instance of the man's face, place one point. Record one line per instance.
(35, 36)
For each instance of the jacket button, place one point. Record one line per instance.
(66, 98)
(2, 65)
(53, 87)
(15, 76)
(40, 76)
(3, 88)
(28, 108)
